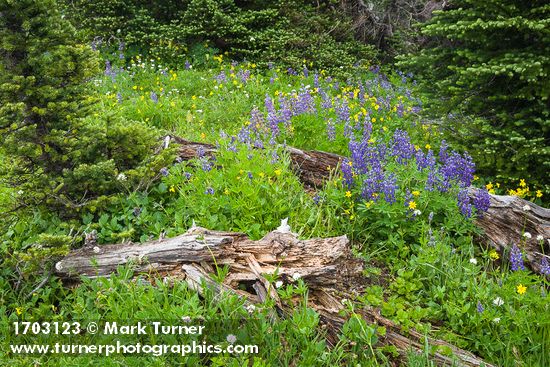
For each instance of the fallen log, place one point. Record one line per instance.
(327, 266)
(513, 220)
(503, 225)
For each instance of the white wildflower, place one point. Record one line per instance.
(496, 320)
(278, 284)
(296, 276)
(250, 308)
(540, 238)
(473, 261)
(121, 177)
(498, 301)
(231, 338)
(527, 235)
(417, 212)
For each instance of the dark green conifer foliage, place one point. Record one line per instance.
(57, 158)
(491, 60)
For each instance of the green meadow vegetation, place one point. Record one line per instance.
(84, 115)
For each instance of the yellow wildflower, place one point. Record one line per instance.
(539, 194)
(348, 194)
(278, 172)
(521, 289)
(172, 189)
(494, 255)
(416, 193)
(428, 146)
(262, 175)
(19, 310)
(412, 205)
(522, 183)
(489, 186)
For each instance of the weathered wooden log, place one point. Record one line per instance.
(503, 225)
(326, 265)
(512, 220)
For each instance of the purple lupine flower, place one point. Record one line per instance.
(331, 130)
(479, 307)
(316, 83)
(443, 152)
(316, 199)
(271, 80)
(347, 172)
(108, 68)
(285, 112)
(290, 71)
(306, 71)
(343, 111)
(402, 148)
(187, 175)
(209, 191)
(250, 176)
(243, 75)
(544, 266)
(326, 101)
(274, 157)
(206, 165)
(164, 171)
(221, 77)
(187, 65)
(200, 151)
(272, 118)
(270, 65)
(482, 201)
(304, 103)
(457, 167)
(388, 188)
(119, 97)
(516, 259)
(258, 144)
(464, 203)
(154, 97)
(425, 161)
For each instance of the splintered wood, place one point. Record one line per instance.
(326, 265)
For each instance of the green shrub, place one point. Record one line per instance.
(56, 158)
(290, 33)
(491, 60)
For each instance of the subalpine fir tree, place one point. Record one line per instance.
(56, 158)
(491, 60)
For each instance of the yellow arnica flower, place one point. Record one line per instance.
(19, 310)
(428, 146)
(539, 194)
(494, 255)
(412, 205)
(521, 289)
(172, 189)
(348, 194)
(522, 183)
(416, 193)
(278, 172)
(489, 186)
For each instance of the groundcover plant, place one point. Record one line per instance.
(108, 145)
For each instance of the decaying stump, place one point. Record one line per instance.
(327, 266)
(503, 225)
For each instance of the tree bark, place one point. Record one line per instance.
(503, 225)
(327, 266)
